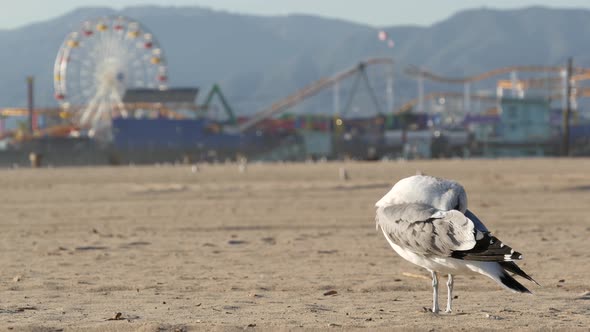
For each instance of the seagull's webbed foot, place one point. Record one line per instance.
(429, 311)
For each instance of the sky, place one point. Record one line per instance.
(16, 13)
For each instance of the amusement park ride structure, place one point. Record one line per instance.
(105, 57)
(98, 62)
(554, 86)
(324, 83)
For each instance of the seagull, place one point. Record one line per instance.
(426, 221)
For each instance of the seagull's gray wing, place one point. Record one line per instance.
(425, 230)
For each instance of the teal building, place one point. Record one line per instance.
(525, 129)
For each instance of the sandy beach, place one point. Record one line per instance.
(277, 247)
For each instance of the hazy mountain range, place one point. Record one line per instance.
(257, 59)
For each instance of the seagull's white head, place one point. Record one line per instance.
(439, 193)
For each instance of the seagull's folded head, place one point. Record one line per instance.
(439, 193)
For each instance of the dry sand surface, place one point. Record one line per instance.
(218, 249)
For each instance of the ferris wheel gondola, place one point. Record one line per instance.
(99, 61)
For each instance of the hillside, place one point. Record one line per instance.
(258, 59)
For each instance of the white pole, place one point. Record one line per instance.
(514, 84)
(563, 74)
(389, 89)
(466, 97)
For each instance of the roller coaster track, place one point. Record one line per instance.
(578, 72)
(580, 92)
(308, 91)
(547, 82)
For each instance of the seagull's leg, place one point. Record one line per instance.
(435, 308)
(450, 282)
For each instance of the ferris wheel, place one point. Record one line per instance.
(99, 61)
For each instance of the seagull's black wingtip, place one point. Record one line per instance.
(513, 268)
(512, 284)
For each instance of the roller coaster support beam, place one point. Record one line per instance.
(370, 88)
(362, 74)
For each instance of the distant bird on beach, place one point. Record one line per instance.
(426, 221)
(343, 174)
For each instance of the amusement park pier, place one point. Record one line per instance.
(116, 107)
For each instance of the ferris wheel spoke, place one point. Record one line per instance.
(98, 62)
